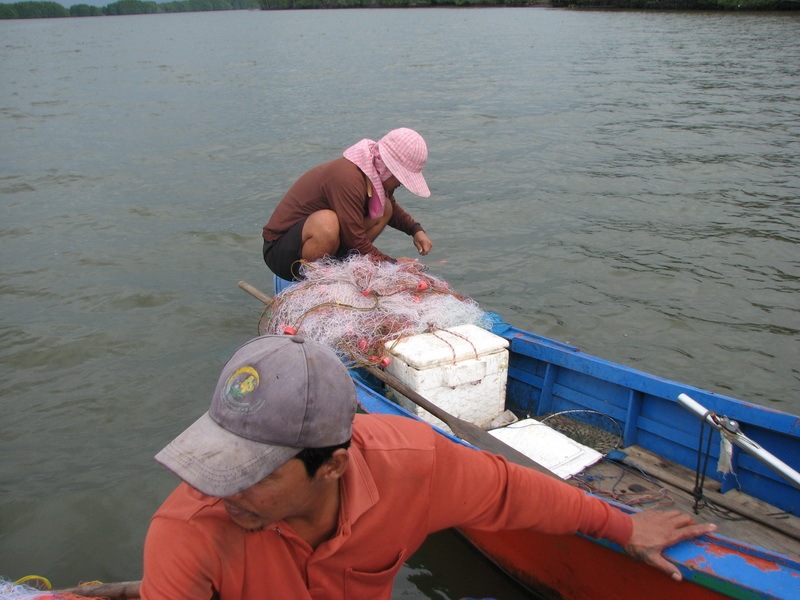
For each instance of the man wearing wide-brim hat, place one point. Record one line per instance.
(343, 205)
(288, 494)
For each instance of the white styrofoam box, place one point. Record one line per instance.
(550, 448)
(462, 369)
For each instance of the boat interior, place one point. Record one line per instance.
(635, 477)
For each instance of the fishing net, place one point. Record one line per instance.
(32, 588)
(358, 307)
(587, 427)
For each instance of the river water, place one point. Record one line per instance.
(628, 182)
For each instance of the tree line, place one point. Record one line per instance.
(595, 4)
(737, 5)
(629, 4)
(45, 10)
(305, 4)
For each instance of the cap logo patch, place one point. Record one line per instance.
(238, 394)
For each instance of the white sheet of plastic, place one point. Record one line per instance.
(550, 448)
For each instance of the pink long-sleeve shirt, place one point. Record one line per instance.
(342, 187)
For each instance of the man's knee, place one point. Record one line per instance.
(320, 235)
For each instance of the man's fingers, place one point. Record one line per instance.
(656, 560)
(696, 530)
(655, 530)
(685, 527)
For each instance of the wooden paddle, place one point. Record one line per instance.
(122, 590)
(467, 431)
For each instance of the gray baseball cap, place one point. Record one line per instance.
(276, 396)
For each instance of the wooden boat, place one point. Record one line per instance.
(755, 552)
(663, 426)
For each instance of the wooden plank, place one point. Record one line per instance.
(122, 590)
(627, 484)
(779, 521)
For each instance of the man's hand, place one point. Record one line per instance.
(422, 242)
(654, 530)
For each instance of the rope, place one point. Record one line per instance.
(700, 475)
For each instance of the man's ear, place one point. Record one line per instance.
(336, 465)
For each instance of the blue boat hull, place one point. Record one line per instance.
(546, 376)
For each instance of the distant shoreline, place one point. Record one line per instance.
(50, 9)
(714, 5)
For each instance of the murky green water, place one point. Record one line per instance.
(627, 182)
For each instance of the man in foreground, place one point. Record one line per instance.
(343, 205)
(288, 494)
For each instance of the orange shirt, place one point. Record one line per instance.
(403, 482)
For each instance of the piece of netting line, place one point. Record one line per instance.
(32, 587)
(359, 307)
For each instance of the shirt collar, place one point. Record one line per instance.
(359, 492)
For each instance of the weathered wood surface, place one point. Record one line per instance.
(465, 430)
(737, 515)
(121, 590)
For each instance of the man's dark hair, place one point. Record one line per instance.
(314, 458)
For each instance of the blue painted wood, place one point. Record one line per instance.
(646, 407)
(742, 571)
(279, 284)
(546, 399)
(629, 433)
(572, 358)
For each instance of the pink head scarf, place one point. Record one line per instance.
(405, 153)
(366, 157)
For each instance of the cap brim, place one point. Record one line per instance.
(219, 463)
(413, 182)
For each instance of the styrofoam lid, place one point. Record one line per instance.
(446, 346)
(550, 448)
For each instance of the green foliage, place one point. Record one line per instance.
(206, 5)
(299, 4)
(41, 10)
(34, 10)
(176, 7)
(131, 7)
(677, 4)
(747, 4)
(85, 10)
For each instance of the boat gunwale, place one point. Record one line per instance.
(705, 560)
(523, 342)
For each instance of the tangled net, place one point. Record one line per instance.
(588, 427)
(31, 588)
(358, 307)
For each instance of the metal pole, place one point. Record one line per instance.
(731, 431)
